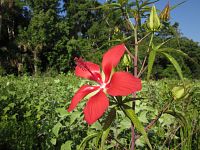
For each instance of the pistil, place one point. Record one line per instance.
(80, 62)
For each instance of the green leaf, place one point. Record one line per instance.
(146, 3)
(96, 140)
(152, 56)
(151, 59)
(109, 119)
(122, 1)
(175, 64)
(53, 141)
(179, 52)
(56, 129)
(74, 116)
(6, 109)
(179, 116)
(86, 139)
(97, 126)
(104, 137)
(130, 113)
(143, 116)
(11, 105)
(27, 114)
(4, 97)
(66, 145)
(173, 7)
(62, 112)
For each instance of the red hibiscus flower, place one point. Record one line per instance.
(114, 84)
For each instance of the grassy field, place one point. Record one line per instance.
(33, 115)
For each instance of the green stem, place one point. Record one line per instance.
(144, 61)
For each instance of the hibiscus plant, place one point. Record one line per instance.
(112, 90)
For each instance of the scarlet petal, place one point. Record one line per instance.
(80, 94)
(123, 83)
(95, 107)
(84, 73)
(111, 58)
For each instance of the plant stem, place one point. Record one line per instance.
(164, 109)
(144, 61)
(135, 74)
(135, 63)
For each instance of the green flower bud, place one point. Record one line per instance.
(178, 92)
(126, 61)
(153, 23)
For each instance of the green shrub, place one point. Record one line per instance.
(33, 115)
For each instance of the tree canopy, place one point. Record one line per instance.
(38, 36)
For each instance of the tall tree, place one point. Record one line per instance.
(39, 35)
(12, 16)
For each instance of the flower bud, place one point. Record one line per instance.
(165, 14)
(153, 23)
(116, 30)
(180, 92)
(126, 61)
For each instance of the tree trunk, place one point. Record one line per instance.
(36, 60)
(1, 13)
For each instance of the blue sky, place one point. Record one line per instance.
(187, 15)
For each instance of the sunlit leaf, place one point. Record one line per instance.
(175, 6)
(53, 141)
(175, 64)
(104, 137)
(179, 52)
(56, 128)
(74, 116)
(66, 145)
(62, 112)
(151, 59)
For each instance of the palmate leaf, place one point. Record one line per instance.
(130, 113)
(175, 64)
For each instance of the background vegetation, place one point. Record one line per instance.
(42, 37)
(33, 116)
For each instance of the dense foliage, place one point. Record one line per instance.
(46, 36)
(33, 116)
